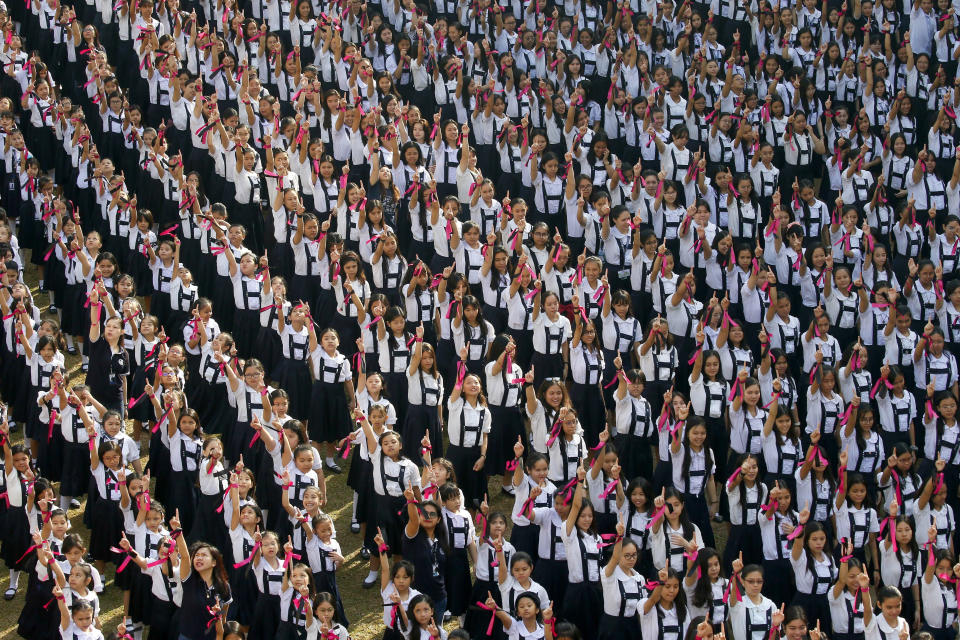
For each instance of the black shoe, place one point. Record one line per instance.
(368, 584)
(335, 468)
(354, 527)
(365, 553)
(10, 593)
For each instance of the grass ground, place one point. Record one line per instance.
(363, 606)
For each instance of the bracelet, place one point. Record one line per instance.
(383, 548)
(412, 502)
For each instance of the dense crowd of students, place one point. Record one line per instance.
(655, 269)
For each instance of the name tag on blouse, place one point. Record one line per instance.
(623, 273)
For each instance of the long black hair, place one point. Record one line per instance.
(219, 575)
(742, 486)
(703, 589)
(695, 421)
(680, 602)
(685, 525)
(809, 529)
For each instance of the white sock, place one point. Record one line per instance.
(330, 461)
(69, 341)
(64, 502)
(353, 516)
(372, 576)
(85, 359)
(14, 578)
(462, 620)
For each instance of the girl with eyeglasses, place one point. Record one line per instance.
(424, 544)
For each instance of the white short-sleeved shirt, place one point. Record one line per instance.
(759, 615)
(878, 629)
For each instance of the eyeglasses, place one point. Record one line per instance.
(430, 515)
(754, 581)
(630, 556)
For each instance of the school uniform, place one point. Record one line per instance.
(622, 593)
(247, 301)
(504, 395)
(293, 372)
(662, 623)
(634, 434)
(467, 427)
(107, 518)
(424, 396)
(812, 586)
(939, 611)
(185, 454)
(878, 629)
(776, 553)
(460, 533)
(550, 569)
(659, 367)
(395, 353)
(293, 615)
(751, 620)
(324, 570)
(745, 537)
(391, 611)
(549, 336)
(329, 420)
